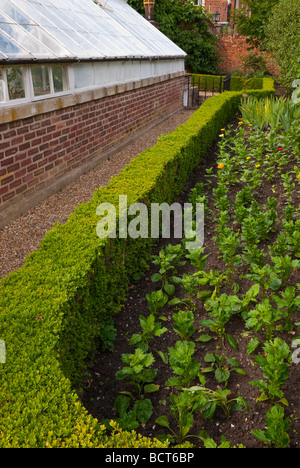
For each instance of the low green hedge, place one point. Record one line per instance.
(208, 82)
(53, 311)
(237, 83)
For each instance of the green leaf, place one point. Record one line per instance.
(203, 295)
(232, 342)
(169, 288)
(144, 410)
(164, 356)
(222, 375)
(251, 347)
(151, 388)
(163, 421)
(174, 301)
(274, 283)
(261, 435)
(156, 277)
(122, 403)
(204, 338)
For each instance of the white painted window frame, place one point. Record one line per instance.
(28, 86)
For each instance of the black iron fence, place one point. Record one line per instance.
(202, 87)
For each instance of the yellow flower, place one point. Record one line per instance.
(248, 157)
(222, 129)
(220, 166)
(240, 123)
(257, 165)
(298, 176)
(249, 125)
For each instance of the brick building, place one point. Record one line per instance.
(233, 47)
(78, 79)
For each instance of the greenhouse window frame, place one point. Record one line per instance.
(29, 90)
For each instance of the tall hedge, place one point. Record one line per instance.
(53, 309)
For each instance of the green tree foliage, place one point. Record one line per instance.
(253, 26)
(188, 27)
(283, 39)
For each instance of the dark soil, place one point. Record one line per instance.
(102, 388)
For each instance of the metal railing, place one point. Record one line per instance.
(202, 87)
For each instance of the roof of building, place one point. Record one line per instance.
(78, 30)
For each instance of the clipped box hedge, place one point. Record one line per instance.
(237, 83)
(54, 308)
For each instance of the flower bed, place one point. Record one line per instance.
(215, 334)
(57, 307)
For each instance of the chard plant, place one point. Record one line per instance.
(283, 266)
(266, 277)
(150, 330)
(138, 373)
(156, 301)
(183, 364)
(184, 324)
(130, 419)
(219, 399)
(182, 408)
(264, 317)
(213, 278)
(220, 311)
(168, 259)
(275, 366)
(289, 302)
(276, 435)
(222, 367)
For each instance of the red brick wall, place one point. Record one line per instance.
(37, 152)
(220, 6)
(233, 48)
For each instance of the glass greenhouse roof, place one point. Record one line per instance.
(78, 30)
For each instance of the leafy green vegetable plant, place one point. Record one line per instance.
(275, 366)
(222, 367)
(278, 426)
(182, 408)
(184, 324)
(183, 364)
(150, 329)
(168, 260)
(220, 311)
(264, 317)
(138, 373)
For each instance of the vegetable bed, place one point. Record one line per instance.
(207, 350)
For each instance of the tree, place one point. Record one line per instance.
(283, 39)
(253, 25)
(188, 27)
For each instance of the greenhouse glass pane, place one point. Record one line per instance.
(15, 83)
(14, 13)
(60, 79)
(7, 46)
(21, 37)
(40, 80)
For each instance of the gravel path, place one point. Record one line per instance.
(22, 236)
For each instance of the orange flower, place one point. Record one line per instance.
(298, 176)
(220, 166)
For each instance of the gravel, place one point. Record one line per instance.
(23, 236)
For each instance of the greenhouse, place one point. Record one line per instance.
(109, 42)
(77, 78)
